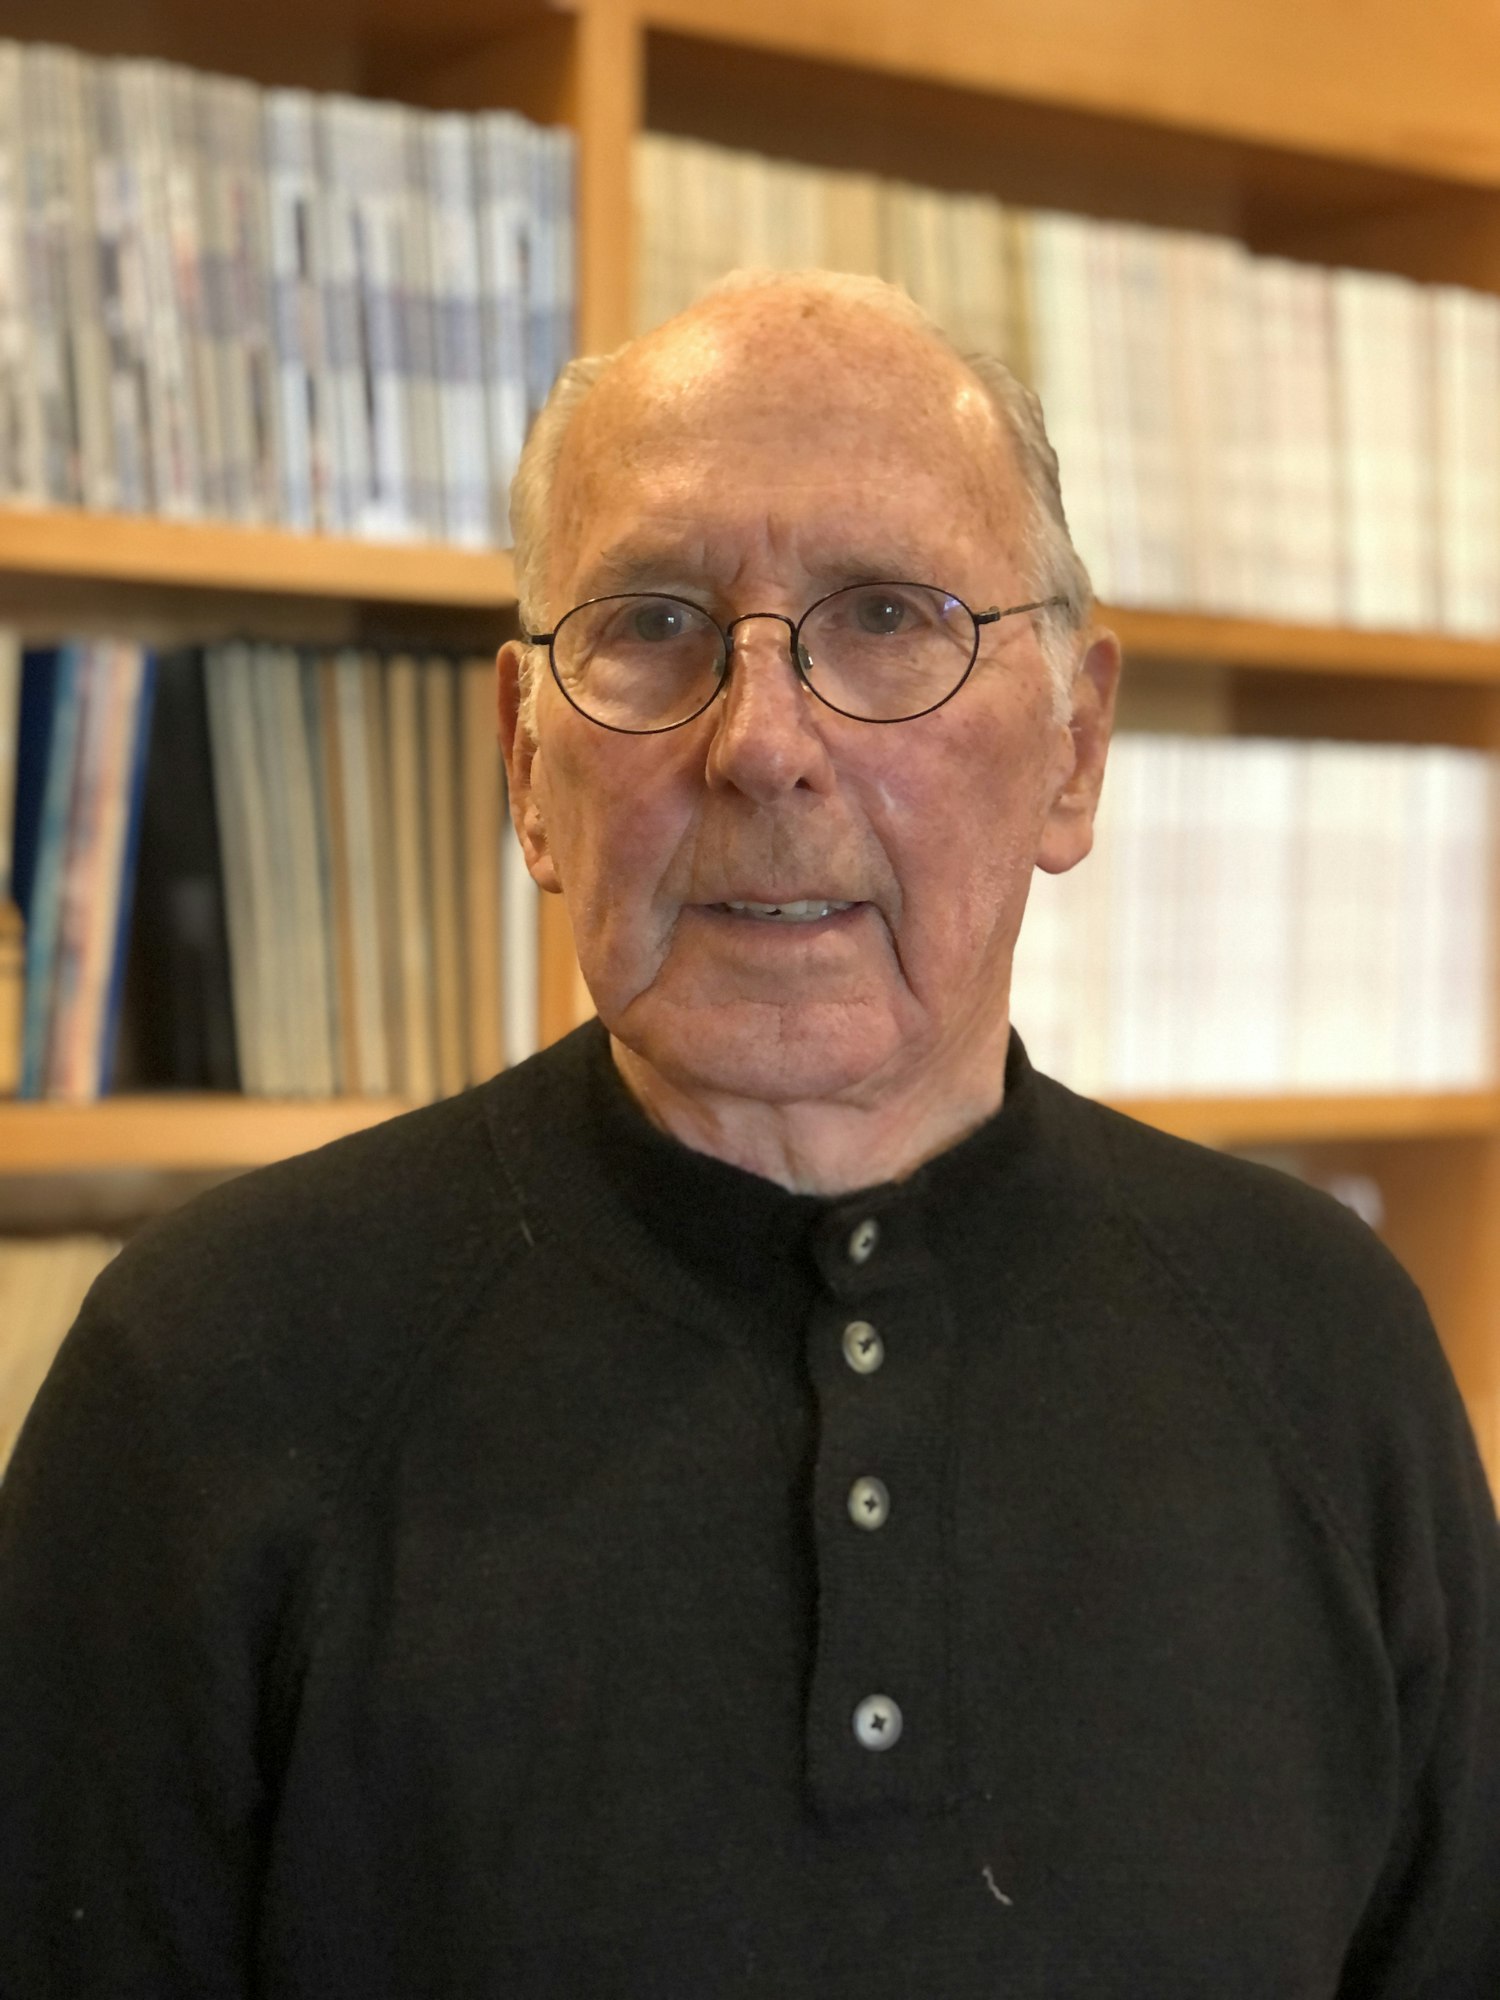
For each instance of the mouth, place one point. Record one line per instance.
(809, 910)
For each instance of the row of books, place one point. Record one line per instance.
(1267, 916)
(42, 1285)
(271, 305)
(1237, 434)
(258, 868)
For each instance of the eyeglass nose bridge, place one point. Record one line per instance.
(779, 618)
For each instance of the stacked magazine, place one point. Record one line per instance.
(1237, 434)
(271, 306)
(1268, 916)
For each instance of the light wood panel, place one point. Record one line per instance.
(190, 1133)
(185, 555)
(1320, 649)
(1293, 1119)
(1377, 80)
(195, 1132)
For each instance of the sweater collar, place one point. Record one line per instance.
(748, 1239)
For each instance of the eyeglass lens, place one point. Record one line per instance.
(881, 652)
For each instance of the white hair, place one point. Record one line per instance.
(1053, 568)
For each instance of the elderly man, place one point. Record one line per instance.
(773, 1497)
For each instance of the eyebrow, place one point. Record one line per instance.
(626, 569)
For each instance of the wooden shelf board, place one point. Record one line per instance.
(1310, 1118)
(201, 1133)
(1322, 649)
(191, 1133)
(1412, 97)
(134, 549)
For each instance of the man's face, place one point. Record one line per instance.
(754, 459)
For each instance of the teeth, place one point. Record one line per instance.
(788, 913)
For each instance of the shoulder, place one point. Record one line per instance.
(1320, 1332)
(1237, 1230)
(296, 1299)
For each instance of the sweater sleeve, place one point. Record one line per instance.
(133, 1614)
(1431, 1930)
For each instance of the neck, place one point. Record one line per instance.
(826, 1147)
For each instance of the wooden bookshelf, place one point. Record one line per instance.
(1368, 135)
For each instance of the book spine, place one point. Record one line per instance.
(353, 689)
(379, 198)
(306, 430)
(483, 784)
(416, 287)
(89, 1037)
(87, 347)
(195, 272)
(1063, 355)
(351, 367)
(164, 331)
(246, 194)
(117, 926)
(231, 728)
(445, 858)
(455, 246)
(54, 475)
(502, 304)
(91, 816)
(118, 226)
(418, 1070)
(20, 444)
(43, 905)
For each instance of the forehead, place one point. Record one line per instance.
(820, 428)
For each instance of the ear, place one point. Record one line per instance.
(519, 747)
(1068, 832)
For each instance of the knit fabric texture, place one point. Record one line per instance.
(434, 1569)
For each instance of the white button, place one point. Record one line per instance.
(877, 1722)
(862, 1240)
(869, 1503)
(864, 1350)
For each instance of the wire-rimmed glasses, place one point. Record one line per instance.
(643, 662)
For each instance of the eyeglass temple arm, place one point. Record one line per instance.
(994, 613)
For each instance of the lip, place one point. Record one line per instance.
(808, 927)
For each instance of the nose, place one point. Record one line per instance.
(766, 740)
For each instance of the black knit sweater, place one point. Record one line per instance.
(431, 1572)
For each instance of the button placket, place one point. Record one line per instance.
(882, 1605)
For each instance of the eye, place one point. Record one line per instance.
(659, 620)
(877, 611)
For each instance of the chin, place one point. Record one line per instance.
(771, 1054)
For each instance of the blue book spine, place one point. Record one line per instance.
(43, 906)
(33, 747)
(135, 796)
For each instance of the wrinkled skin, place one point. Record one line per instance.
(751, 456)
